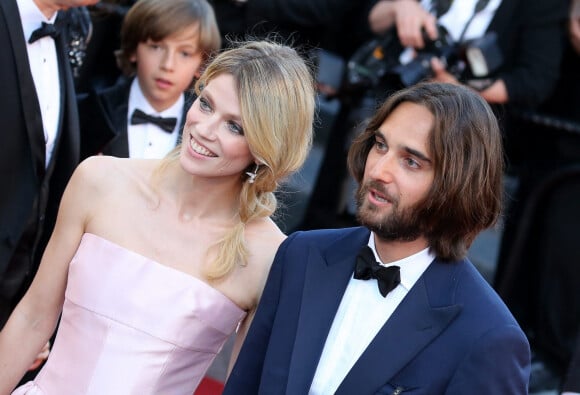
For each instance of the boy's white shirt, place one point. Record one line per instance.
(148, 141)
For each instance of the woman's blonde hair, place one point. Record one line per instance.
(275, 87)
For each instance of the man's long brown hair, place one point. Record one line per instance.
(466, 147)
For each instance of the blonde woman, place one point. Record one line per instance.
(154, 263)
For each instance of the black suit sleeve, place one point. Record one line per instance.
(536, 51)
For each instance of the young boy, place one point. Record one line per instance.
(164, 45)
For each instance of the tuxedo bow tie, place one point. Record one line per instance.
(367, 267)
(166, 124)
(46, 29)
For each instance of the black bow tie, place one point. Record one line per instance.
(167, 124)
(46, 29)
(367, 267)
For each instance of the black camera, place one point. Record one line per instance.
(419, 68)
(378, 61)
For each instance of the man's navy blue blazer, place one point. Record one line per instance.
(451, 334)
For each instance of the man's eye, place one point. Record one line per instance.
(411, 162)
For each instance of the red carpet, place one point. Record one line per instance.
(209, 386)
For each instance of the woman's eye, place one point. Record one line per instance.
(237, 129)
(204, 105)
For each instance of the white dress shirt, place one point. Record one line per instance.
(455, 20)
(362, 313)
(44, 68)
(458, 15)
(148, 141)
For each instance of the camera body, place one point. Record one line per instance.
(419, 68)
(378, 62)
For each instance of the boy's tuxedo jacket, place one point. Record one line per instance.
(103, 116)
(451, 334)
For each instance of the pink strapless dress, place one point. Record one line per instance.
(131, 326)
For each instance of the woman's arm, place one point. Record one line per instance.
(239, 340)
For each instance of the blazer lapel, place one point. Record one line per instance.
(415, 322)
(114, 104)
(327, 275)
(62, 58)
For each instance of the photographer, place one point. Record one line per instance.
(530, 39)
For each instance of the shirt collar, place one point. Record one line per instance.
(31, 16)
(412, 267)
(138, 100)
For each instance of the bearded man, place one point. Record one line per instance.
(429, 167)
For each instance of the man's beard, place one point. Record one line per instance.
(398, 225)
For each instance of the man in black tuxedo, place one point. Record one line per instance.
(39, 139)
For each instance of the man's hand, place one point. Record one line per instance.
(410, 19)
(440, 73)
(495, 93)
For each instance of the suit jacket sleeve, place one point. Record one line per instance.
(497, 364)
(246, 374)
(534, 51)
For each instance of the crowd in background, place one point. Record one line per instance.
(532, 82)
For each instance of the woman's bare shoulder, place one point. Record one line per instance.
(99, 167)
(263, 237)
(107, 172)
(264, 234)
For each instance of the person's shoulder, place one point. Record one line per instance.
(264, 227)
(121, 84)
(324, 237)
(264, 235)
(266, 230)
(101, 164)
(108, 171)
(109, 96)
(476, 293)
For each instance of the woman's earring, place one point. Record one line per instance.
(252, 175)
